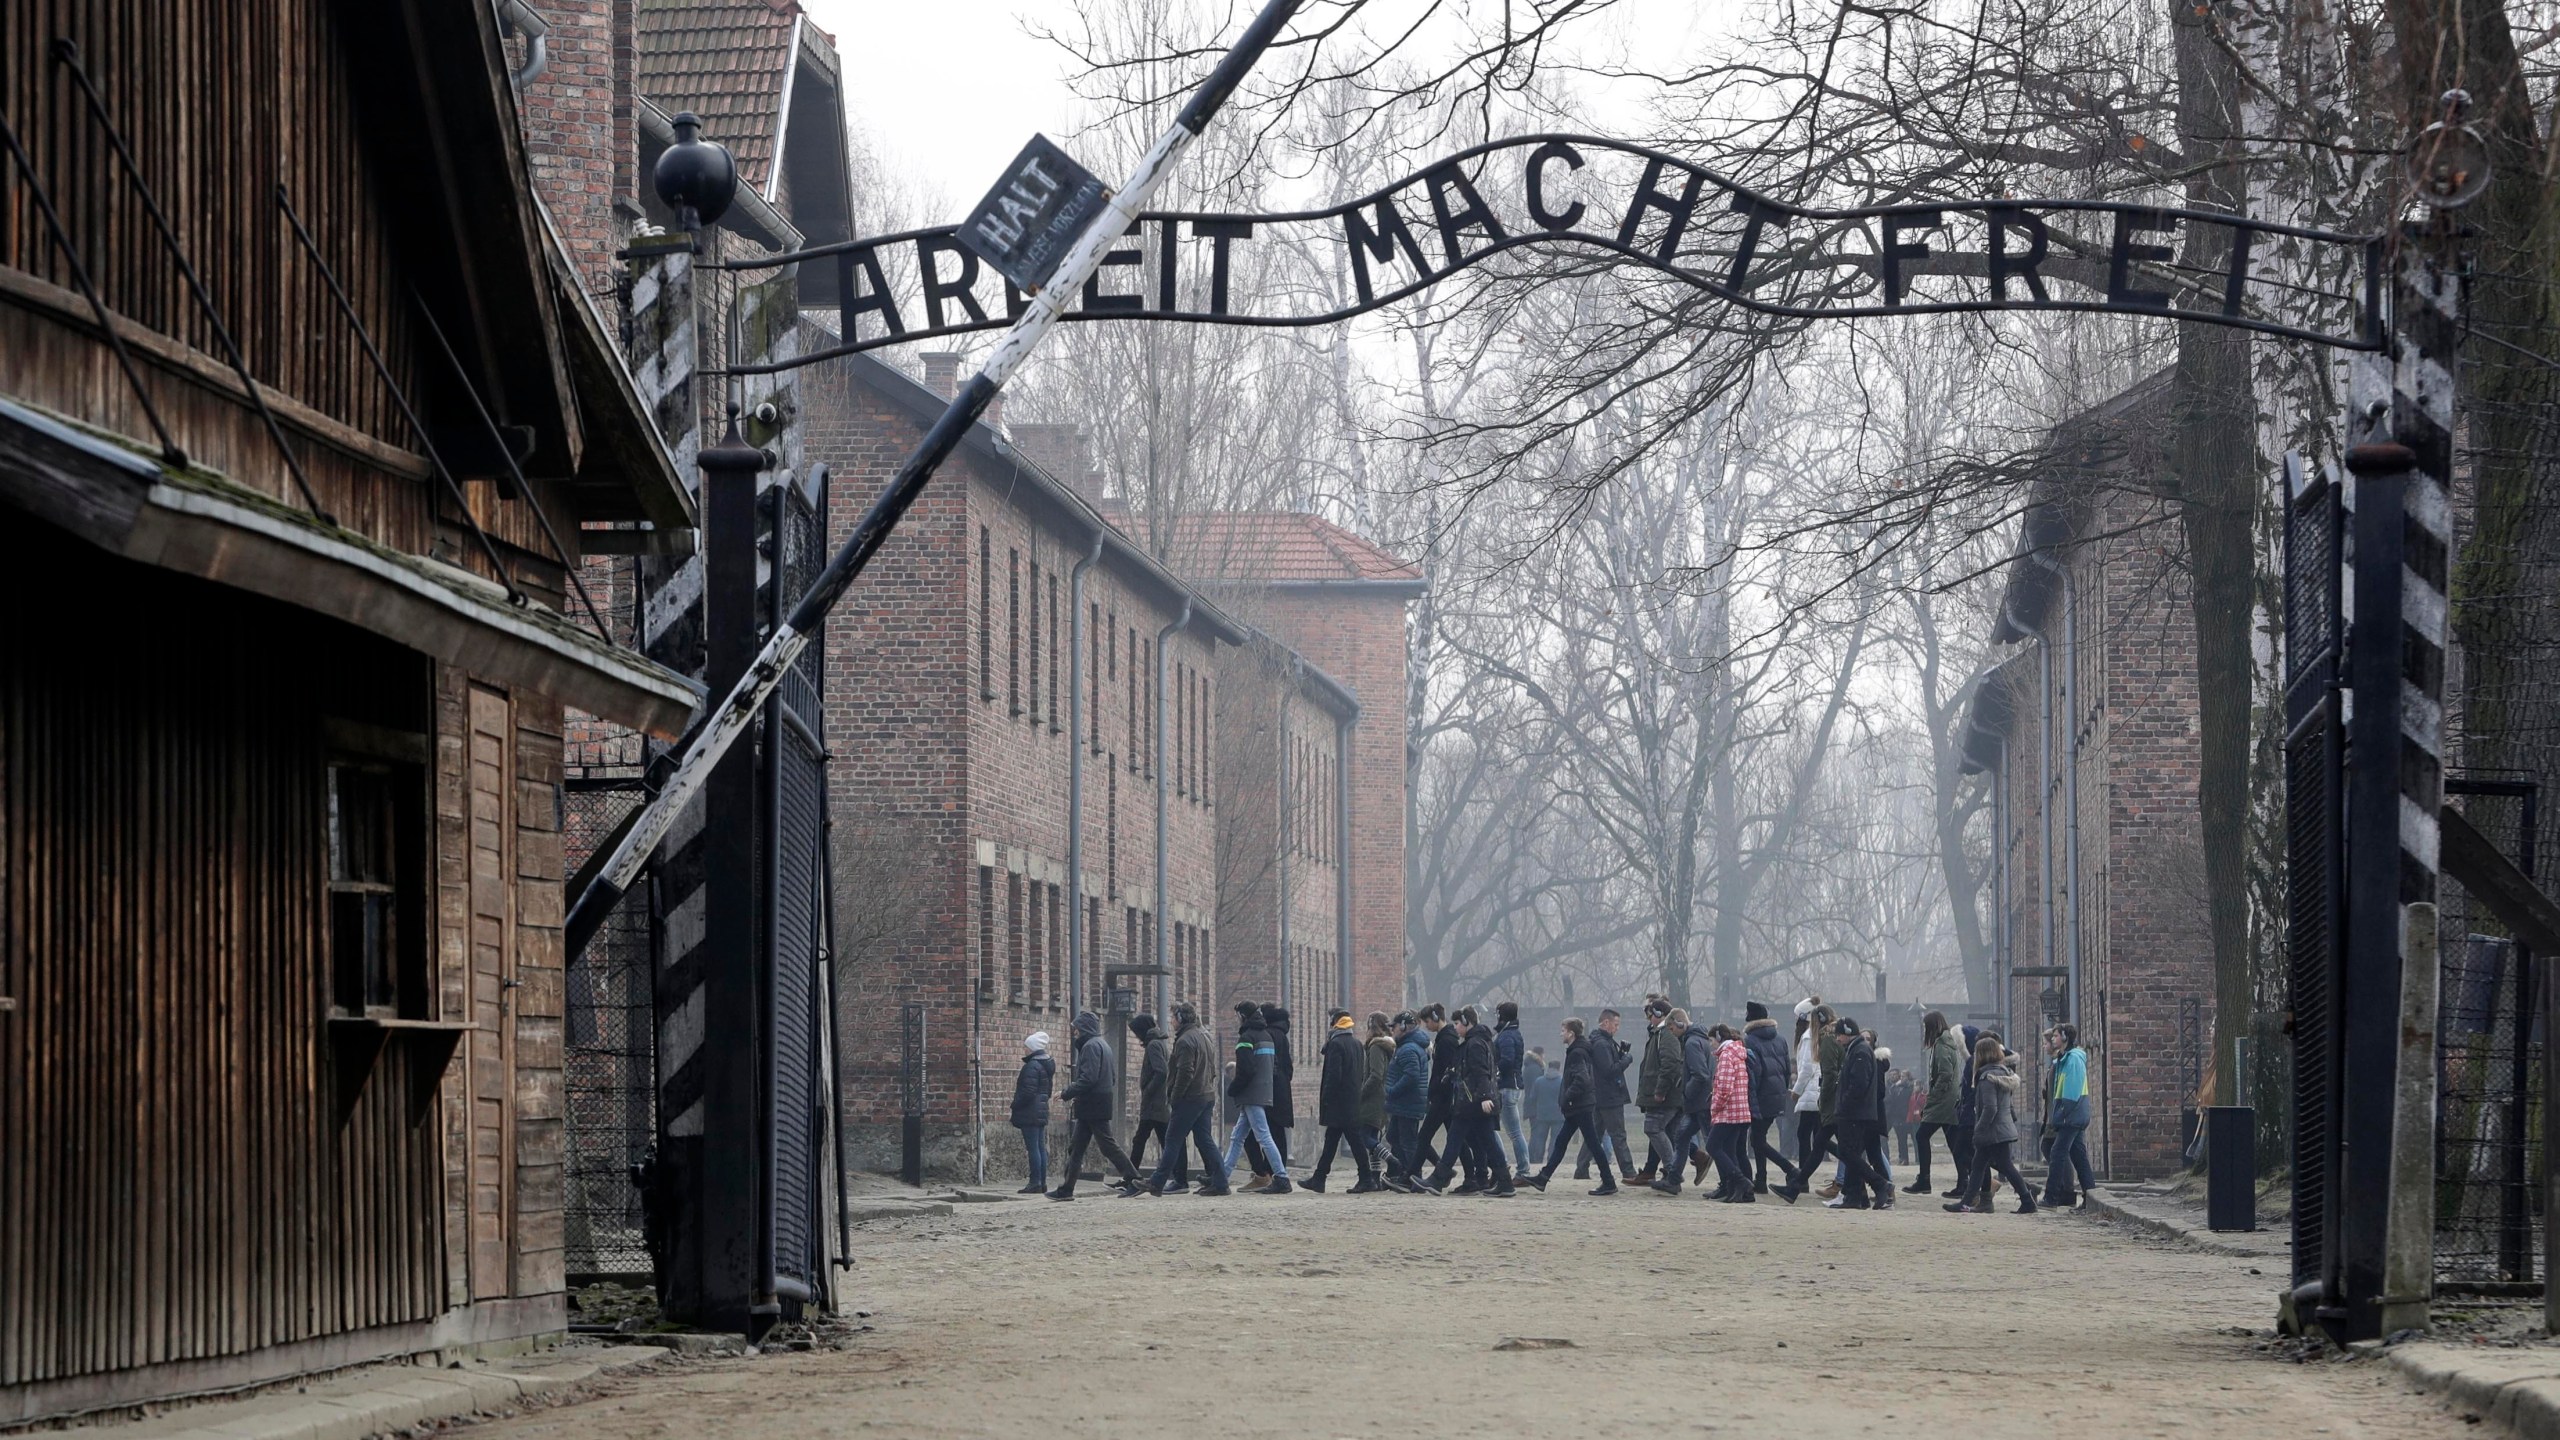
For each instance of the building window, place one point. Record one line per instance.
(1093, 946)
(1207, 789)
(986, 616)
(1053, 655)
(1035, 639)
(1133, 702)
(376, 919)
(1093, 702)
(1013, 631)
(1014, 938)
(986, 932)
(1053, 961)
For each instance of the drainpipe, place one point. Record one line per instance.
(1163, 933)
(2071, 789)
(2044, 787)
(1342, 852)
(1297, 678)
(1076, 645)
(520, 19)
(2003, 943)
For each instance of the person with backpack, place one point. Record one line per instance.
(1031, 1086)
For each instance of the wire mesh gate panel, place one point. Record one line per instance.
(611, 1059)
(2314, 856)
(795, 775)
(2489, 1056)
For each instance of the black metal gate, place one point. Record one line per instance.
(2315, 844)
(2489, 1056)
(795, 874)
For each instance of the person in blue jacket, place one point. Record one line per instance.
(1408, 1091)
(2068, 1119)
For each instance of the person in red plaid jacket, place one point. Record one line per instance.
(1729, 1116)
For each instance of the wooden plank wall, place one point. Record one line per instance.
(174, 1182)
(221, 101)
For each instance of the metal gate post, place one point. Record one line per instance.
(714, 1276)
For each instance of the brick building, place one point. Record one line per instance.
(2088, 724)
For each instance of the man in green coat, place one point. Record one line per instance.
(1377, 1052)
(1944, 1056)
(1658, 1089)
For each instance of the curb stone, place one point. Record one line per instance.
(2519, 1389)
(2261, 1245)
(858, 1211)
(374, 1401)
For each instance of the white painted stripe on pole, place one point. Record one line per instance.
(2422, 606)
(2418, 833)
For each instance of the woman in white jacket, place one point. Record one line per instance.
(1808, 1092)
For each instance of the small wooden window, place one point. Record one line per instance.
(376, 913)
(986, 615)
(1013, 632)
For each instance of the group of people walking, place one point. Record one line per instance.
(1711, 1098)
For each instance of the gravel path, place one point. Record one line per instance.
(1333, 1315)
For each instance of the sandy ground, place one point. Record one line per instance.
(1335, 1316)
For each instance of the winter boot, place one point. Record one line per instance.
(1315, 1183)
(1608, 1186)
(1666, 1187)
(1279, 1186)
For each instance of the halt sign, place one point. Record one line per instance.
(1027, 222)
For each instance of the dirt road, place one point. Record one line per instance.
(1331, 1315)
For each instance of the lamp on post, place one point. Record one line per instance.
(696, 178)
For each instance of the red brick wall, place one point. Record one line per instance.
(578, 127)
(1358, 637)
(934, 779)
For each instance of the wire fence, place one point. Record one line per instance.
(611, 1060)
(2489, 1056)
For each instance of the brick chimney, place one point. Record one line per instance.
(942, 372)
(1066, 452)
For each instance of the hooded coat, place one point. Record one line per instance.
(1376, 1054)
(1338, 1087)
(1859, 1098)
(1194, 1071)
(1968, 1094)
(1091, 1088)
(1445, 1045)
(1581, 1081)
(1155, 1077)
(1828, 1052)
(1409, 1076)
(1544, 1105)
(1479, 1073)
(1770, 1064)
(1608, 1071)
(1252, 1082)
(1697, 1072)
(1995, 1110)
(1031, 1086)
(1946, 1079)
(1658, 1078)
(1282, 1109)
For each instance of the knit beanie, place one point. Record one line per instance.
(1037, 1040)
(1754, 1010)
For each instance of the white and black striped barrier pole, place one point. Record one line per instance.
(719, 728)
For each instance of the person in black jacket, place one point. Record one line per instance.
(1475, 1110)
(1155, 1107)
(1091, 1093)
(1511, 1054)
(1191, 1086)
(1031, 1087)
(1445, 1043)
(1773, 1095)
(1575, 1096)
(1610, 1057)
(1338, 1103)
(1857, 1115)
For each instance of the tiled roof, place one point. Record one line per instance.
(1281, 547)
(724, 60)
